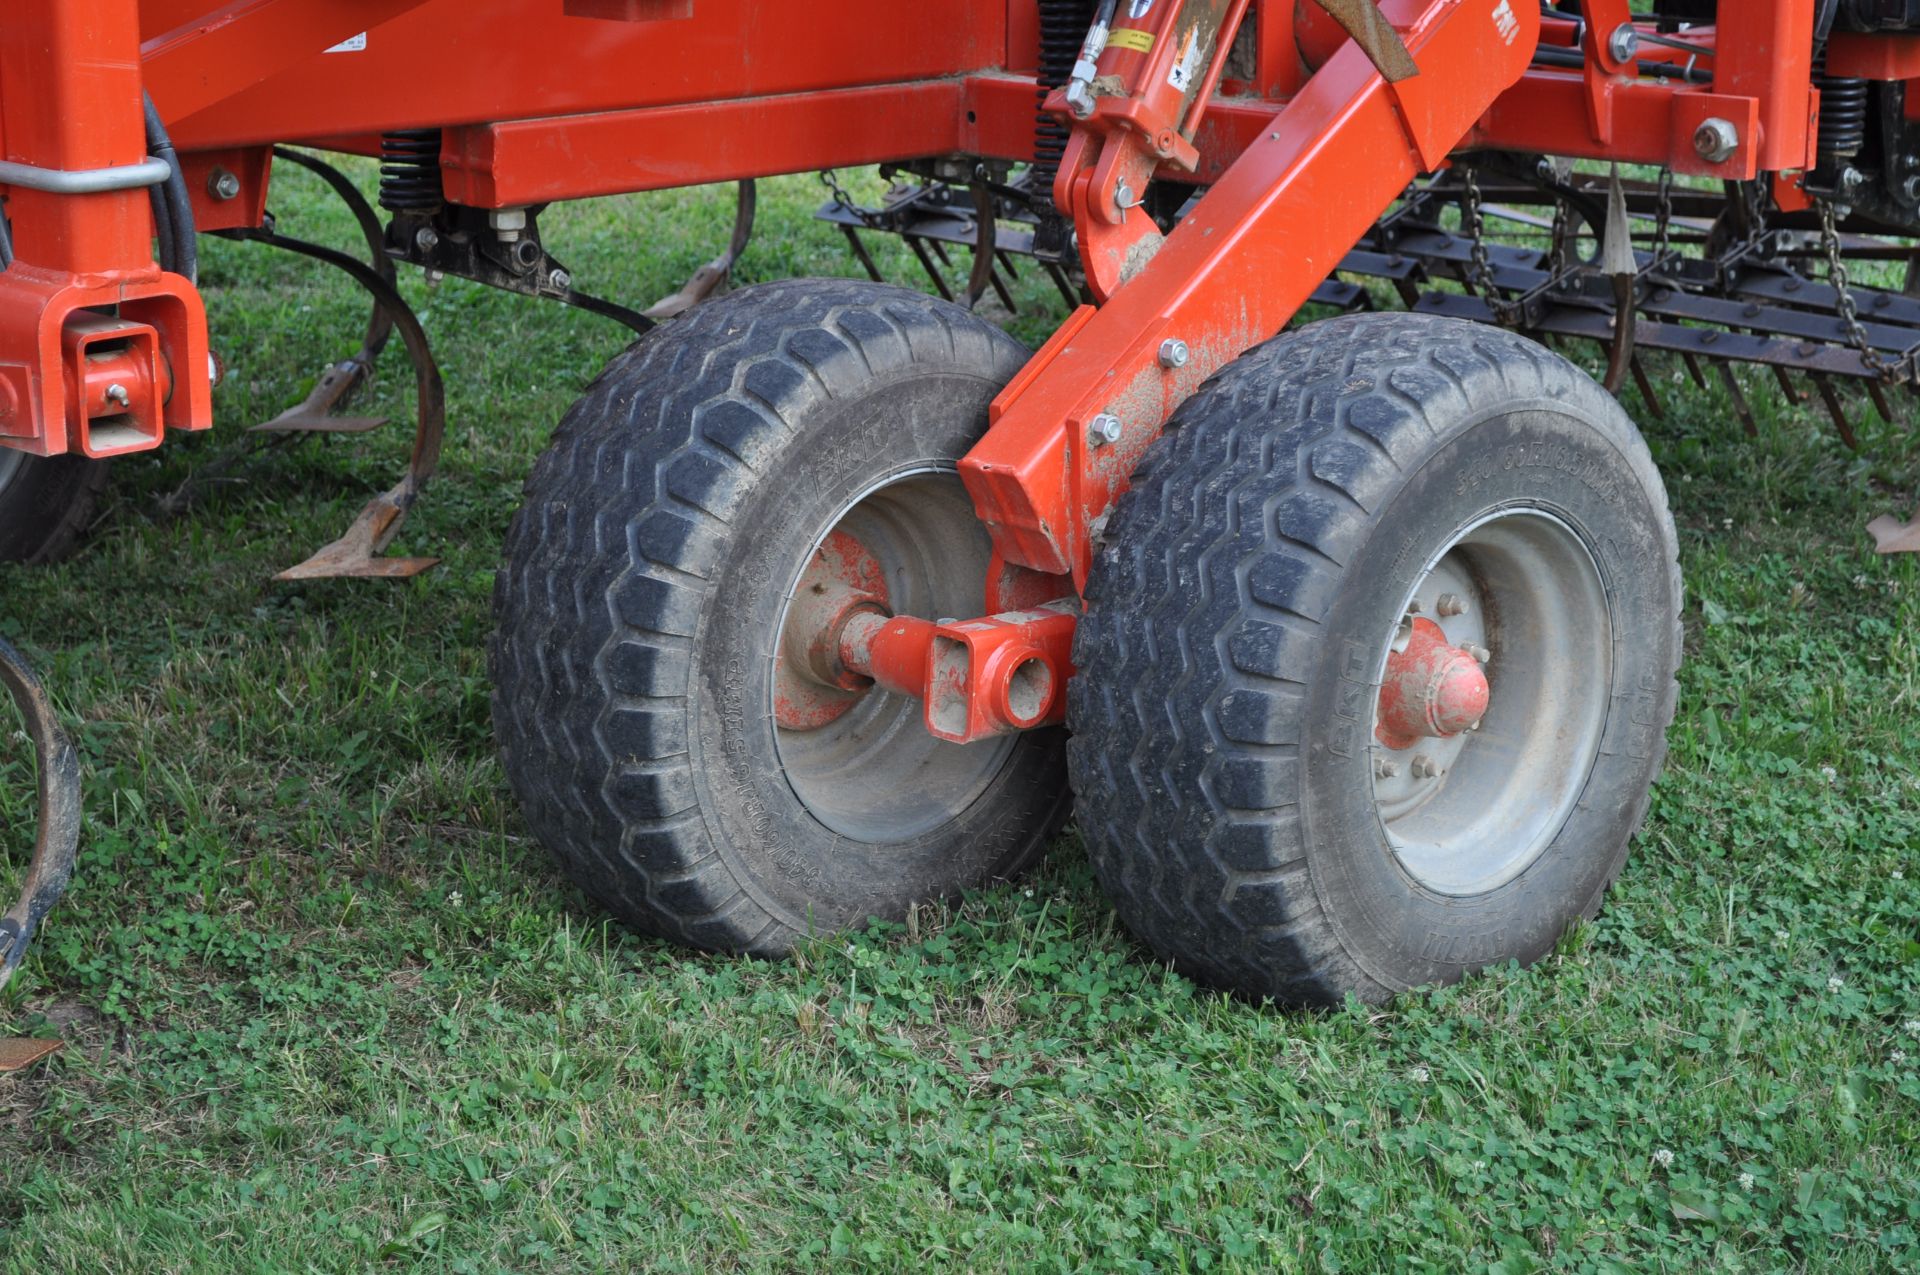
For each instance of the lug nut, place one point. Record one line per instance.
(1104, 429)
(1423, 767)
(1480, 654)
(1450, 604)
(1384, 769)
(1173, 353)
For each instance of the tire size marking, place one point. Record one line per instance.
(1586, 468)
(1464, 949)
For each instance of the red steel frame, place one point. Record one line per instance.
(541, 100)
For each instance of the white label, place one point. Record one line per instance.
(1180, 74)
(1504, 22)
(357, 43)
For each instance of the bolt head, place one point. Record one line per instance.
(1104, 429)
(426, 239)
(222, 184)
(1716, 140)
(1174, 353)
(1450, 604)
(1624, 42)
(560, 279)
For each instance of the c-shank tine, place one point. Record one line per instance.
(940, 251)
(1835, 408)
(313, 413)
(1645, 384)
(1006, 264)
(357, 552)
(712, 278)
(981, 277)
(1739, 398)
(861, 254)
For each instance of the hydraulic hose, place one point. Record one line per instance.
(172, 210)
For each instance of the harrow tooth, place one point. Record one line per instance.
(1835, 409)
(714, 277)
(1645, 385)
(1734, 392)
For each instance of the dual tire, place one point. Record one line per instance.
(1223, 743)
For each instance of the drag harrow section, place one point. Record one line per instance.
(1712, 279)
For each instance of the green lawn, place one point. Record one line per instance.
(327, 1006)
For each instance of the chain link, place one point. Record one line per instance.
(1663, 220)
(831, 180)
(1479, 263)
(1898, 368)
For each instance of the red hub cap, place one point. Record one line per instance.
(1431, 689)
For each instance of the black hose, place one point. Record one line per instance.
(6, 241)
(179, 248)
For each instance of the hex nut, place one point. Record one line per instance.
(1716, 140)
(1450, 604)
(222, 184)
(1104, 429)
(1423, 767)
(1173, 353)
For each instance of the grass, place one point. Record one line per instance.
(327, 1007)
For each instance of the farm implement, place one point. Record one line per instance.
(1334, 603)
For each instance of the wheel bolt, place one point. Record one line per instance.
(1450, 604)
(1384, 769)
(1423, 767)
(1480, 653)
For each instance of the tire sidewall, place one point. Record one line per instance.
(802, 872)
(1564, 462)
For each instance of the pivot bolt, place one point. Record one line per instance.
(1173, 353)
(1423, 767)
(1624, 42)
(1384, 769)
(560, 279)
(426, 239)
(1716, 140)
(1450, 604)
(222, 184)
(1104, 429)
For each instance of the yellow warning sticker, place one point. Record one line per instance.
(1131, 38)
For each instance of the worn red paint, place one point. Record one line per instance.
(1431, 690)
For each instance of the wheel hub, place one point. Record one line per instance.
(1431, 690)
(811, 684)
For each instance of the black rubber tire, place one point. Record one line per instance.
(1219, 752)
(645, 576)
(45, 506)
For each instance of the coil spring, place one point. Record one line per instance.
(410, 170)
(1063, 25)
(1843, 114)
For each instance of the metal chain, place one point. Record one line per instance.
(1663, 219)
(1887, 369)
(1479, 264)
(831, 180)
(1562, 235)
